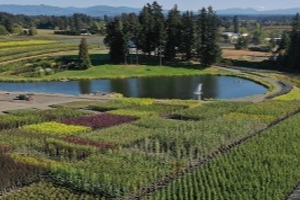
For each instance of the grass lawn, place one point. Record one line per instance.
(124, 71)
(118, 71)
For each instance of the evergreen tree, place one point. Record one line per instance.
(146, 19)
(296, 23)
(236, 25)
(131, 27)
(174, 27)
(209, 50)
(84, 58)
(284, 42)
(131, 30)
(116, 40)
(159, 32)
(293, 54)
(188, 31)
(78, 22)
(8, 23)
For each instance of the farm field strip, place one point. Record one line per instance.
(198, 164)
(154, 150)
(20, 118)
(266, 167)
(160, 123)
(49, 191)
(15, 174)
(23, 55)
(22, 43)
(22, 50)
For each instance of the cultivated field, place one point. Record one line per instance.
(154, 142)
(87, 147)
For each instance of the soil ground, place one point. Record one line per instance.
(8, 100)
(245, 54)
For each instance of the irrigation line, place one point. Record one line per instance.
(163, 182)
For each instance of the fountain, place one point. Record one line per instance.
(199, 91)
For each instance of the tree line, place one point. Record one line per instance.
(173, 36)
(15, 24)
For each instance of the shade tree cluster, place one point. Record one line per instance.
(171, 36)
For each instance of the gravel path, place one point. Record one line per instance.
(40, 101)
(295, 194)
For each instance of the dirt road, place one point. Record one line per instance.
(40, 101)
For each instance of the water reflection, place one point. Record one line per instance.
(85, 86)
(183, 87)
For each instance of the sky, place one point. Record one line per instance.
(167, 4)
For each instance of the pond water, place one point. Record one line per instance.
(176, 87)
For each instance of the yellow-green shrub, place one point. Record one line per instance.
(56, 129)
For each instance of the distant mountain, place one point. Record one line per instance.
(251, 11)
(95, 11)
(238, 11)
(100, 10)
(108, 10)
(291, 11)
(37, 10)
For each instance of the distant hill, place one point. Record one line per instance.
(238, 11)
(95, 11)
(251, 11)
(100, 10)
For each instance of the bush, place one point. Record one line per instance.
(3, 30)
(260, 48)
(49, 71)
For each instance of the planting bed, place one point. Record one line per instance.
(122, 153)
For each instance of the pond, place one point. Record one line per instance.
(175, 87)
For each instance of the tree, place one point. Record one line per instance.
(84, 57)
(17, 29)
(284, 42)
(32, 31)
(78, 24)
(209, 50)
(116, 40)
(3, 30)
(242, 43)
(236, 25)
(8, 23)
(188, 37)
(174, 27)
(131, 30)
(159, 32)
(256, 38)
(293, 58)
(296, 23)
(146, 19)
